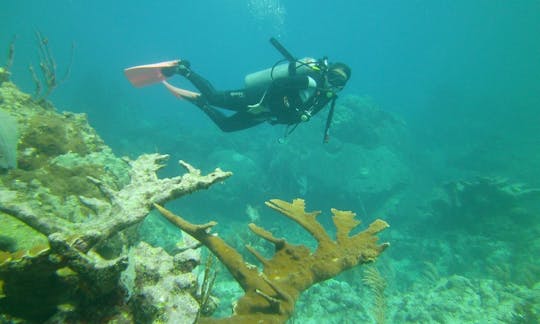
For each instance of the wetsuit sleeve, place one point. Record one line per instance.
(293, 82)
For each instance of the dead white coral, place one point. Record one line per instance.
(118, 209)
(77, 245)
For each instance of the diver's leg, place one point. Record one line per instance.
(183, 68)
(236, 100)
(236, 122)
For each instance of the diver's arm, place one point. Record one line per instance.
(321, 104)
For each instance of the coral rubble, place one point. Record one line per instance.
(270, 295)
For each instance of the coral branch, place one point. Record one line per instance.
(197, 231)
(270, 296)
(47, 65)
(296, 212)
(278, 242)
(24, 213)
(242, 272)
(11, 54)
(257, 255)
(120, 209)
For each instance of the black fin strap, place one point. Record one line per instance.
(326, 137)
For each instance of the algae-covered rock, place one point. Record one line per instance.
(458, 299)
(486, 204)
(17, 236)
(45, 138)
(9, 136)
(4, 75)
(47, 185)
(67, 212)
(159, 290)
(56, 154)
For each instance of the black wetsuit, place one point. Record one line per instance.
(286, 100)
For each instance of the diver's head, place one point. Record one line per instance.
(338, 74)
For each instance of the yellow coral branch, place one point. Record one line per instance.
(296, 211)
(270, 296)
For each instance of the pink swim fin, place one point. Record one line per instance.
(181, 93)
(143, 75)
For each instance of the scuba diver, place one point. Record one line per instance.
(289, 93)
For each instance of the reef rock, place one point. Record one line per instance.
(359, 121)
(159, 290)
(68, 210)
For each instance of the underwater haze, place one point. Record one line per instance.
(437, 132)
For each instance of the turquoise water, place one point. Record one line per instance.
(436, 132)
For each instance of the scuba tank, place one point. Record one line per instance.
(294, 66)
(263, 78)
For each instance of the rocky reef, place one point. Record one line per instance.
(487, 206)
(69, 212)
